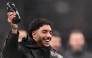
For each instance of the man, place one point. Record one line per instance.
(56, 42)
(35, 45)
(77, 46)
(22, 34)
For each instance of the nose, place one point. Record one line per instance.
(49, 35)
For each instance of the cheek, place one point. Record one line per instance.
(39, 37)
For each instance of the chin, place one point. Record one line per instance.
(47, 45)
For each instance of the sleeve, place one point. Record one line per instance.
(10, 49)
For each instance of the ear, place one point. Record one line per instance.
(33, 33)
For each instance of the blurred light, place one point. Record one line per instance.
(62, 7)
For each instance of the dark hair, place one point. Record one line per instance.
(56, 33)
(37, 23)
(76, 31)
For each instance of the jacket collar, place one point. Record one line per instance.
(31, 43)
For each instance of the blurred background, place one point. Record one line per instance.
(66, 15)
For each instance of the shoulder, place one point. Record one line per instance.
(55, 54)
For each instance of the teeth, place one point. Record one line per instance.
(47, 40)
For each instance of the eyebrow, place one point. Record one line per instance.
(47, 30)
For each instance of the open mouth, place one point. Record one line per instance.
(47, 39)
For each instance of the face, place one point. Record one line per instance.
(43, 35)
(77, 41)
(55, 42)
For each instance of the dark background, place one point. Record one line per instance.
(65, 14)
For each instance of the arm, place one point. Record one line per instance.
(11, 46)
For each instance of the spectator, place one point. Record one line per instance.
(22, 34)
(77, 46)
(56, 42)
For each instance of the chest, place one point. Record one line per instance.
(37, 53)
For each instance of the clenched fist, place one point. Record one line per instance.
(12, 15)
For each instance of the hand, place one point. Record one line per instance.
(12, 15)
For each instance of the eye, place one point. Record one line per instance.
(50, 32)
(44, 31)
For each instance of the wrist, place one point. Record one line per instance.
(14, 30)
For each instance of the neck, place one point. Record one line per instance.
(39, 44)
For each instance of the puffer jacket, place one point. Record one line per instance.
(27, 48)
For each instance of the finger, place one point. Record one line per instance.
(14, 13)
(11, 18)
(11, 13)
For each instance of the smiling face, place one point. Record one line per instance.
(43, 35)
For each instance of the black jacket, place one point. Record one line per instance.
(27, 48)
